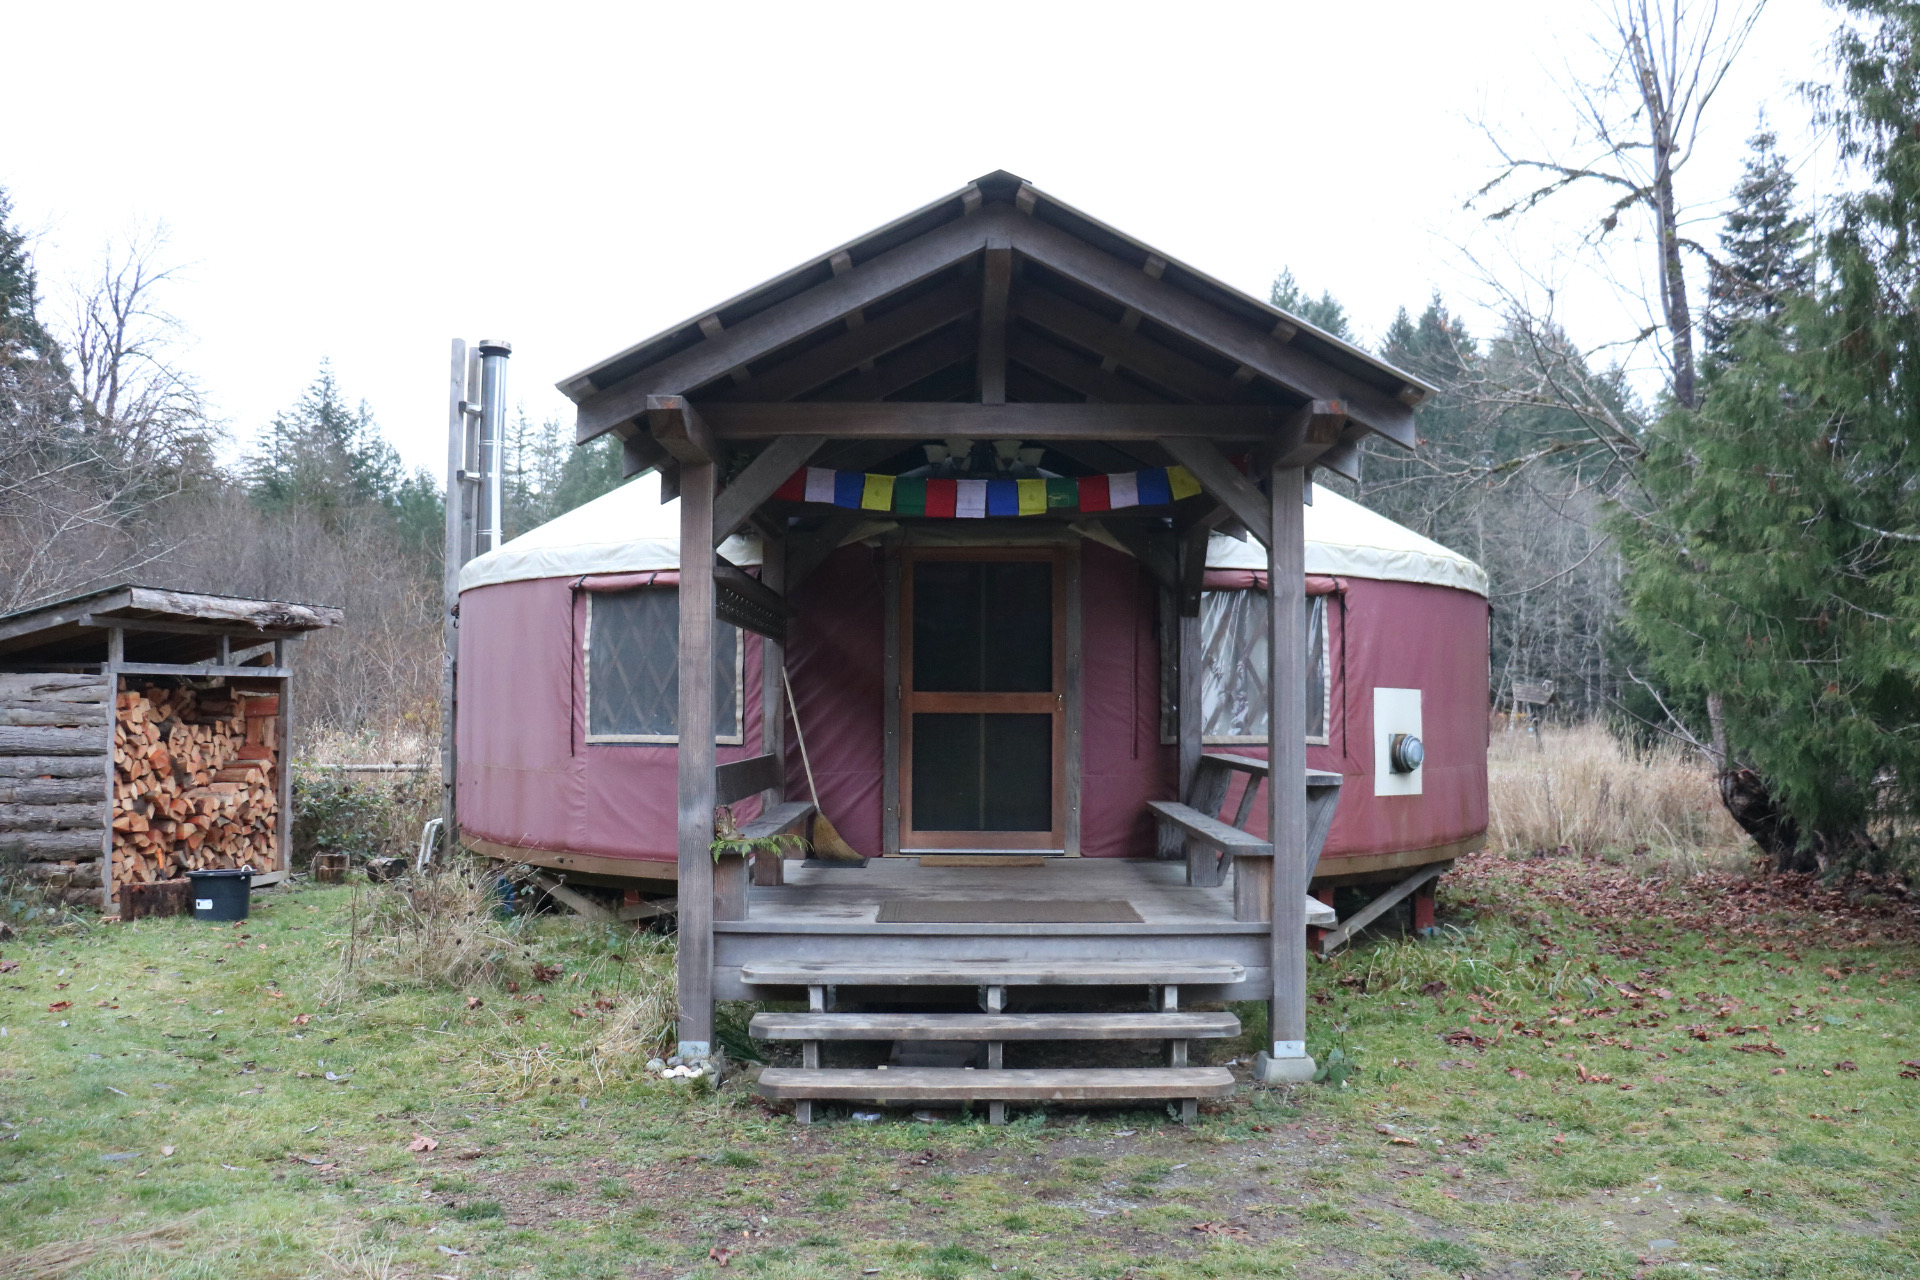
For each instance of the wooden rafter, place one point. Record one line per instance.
(827, 303)
(1051, 360)
(862, 344)
(951, 346)
(1125, 346)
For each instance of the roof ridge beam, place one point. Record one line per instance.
(803, 314)
(1181, 311)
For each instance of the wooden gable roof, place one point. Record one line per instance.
(997, 293)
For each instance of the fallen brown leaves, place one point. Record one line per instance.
(1219, 1229)
(423, 1143)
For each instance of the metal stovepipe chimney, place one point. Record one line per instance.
(493, 433)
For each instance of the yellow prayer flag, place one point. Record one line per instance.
(1182, 482)
(877, 494)
(1033, 497)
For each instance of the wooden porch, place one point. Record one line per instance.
(996, 333)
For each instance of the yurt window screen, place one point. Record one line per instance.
(1233, 672)
(633, 669)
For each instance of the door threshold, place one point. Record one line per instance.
(991, 854)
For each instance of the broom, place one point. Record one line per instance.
(827, 842)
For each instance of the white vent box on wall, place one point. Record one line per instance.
(1399, 751)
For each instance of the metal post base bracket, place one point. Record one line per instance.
(1270, 1070)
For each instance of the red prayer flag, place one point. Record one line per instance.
(1093, 494)
(943, 497)
(795, 487)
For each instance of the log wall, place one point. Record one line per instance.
(54, 737)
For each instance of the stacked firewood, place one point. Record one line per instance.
(195, 783)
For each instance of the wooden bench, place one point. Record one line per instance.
(1213, 846)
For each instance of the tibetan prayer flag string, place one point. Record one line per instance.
(988, 496)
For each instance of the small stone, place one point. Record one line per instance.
(676, 1061)
(655, 1064)
(1663, 1244)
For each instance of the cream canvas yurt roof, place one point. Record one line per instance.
(631, 531)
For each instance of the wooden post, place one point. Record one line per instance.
(1423, 908)
(773, 702)
(890, 677)
(697, 623)
(1287, 1058)
(455, 556)
(116, 654)
(1075, 779)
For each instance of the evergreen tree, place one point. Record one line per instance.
(33, 371)
(1765, 248)
(1324, 313)
(1776, 563)
(324, 456)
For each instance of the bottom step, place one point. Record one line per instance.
(948, 1084)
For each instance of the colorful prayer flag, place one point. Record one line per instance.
(795, 487)
(1003, 497)
(877, 493)
(819, 484)
(1155, 489)
(910, 497)
(1033, 496)
(971, 502)
(1062, 495)
(1094, 494)
(1123, 489)
(943, 498)
(848, 488)
(1181, 481)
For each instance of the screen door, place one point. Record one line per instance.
(983, 705)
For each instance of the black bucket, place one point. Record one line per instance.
(221, 895)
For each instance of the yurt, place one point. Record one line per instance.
(566, 752)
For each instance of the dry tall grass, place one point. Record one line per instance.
(1581, 788)
(429, 931)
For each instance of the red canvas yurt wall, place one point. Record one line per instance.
(529, 780)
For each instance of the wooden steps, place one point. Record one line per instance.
(993, 1026)
(940, 1084)
(989, 973)
(995, 1085)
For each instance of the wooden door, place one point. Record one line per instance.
(983, 666)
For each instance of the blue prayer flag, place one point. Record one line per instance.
(1155, 489)
(1003, 497)
(848, 486)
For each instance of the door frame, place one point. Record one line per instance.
(899, 835)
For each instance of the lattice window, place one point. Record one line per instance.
(1233, 673)
(633, 677)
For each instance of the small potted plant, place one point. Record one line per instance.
(731, 848)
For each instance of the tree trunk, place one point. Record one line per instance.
(1752, 806)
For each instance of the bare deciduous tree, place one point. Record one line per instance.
(1637, 126)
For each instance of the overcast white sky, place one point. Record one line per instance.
(364, 182)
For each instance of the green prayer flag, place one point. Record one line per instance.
(910, 497)
(1063, 495)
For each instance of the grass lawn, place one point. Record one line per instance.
(1591, 1073)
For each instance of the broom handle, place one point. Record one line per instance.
(800, 734)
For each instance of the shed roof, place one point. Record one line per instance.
(1076, 310)
(631, 531)
(163, 625)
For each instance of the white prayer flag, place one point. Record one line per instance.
(1123, 489)
(819, 484)
(971, 502)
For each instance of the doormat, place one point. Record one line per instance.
(1007, 911)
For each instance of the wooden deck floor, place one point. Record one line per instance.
(828, 913)
(822, 898)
